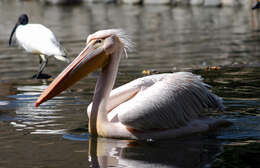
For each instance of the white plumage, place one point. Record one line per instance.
(38, 39)
(157, 106)
(161, 101)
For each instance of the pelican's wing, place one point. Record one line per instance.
(170, 101)
(126, 92)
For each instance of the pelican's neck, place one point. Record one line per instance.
(103, 88)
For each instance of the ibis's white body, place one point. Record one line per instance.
(38, 39)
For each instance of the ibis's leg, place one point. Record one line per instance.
(40, 64)
(43, 63)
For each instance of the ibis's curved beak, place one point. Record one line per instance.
(257, 5)
(90, 59)
(12, 33)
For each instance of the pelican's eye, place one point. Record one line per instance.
(98, 43)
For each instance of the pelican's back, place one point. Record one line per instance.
(169, 101)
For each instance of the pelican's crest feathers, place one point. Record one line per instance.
(124, 38)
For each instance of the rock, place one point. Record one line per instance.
(132, 1)
(212, 3)
(156, 1)
(196, 2)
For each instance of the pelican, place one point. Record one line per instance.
(257, 5)
(158, 106)
(37, 39)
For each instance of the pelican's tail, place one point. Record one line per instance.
(215, 102)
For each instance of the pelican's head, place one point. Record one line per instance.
(99, 47)
(257, 5)
(22, 20)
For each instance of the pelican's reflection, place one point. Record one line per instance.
(196, 152)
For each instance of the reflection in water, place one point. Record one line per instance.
(185, 153)
(255, 17)
(243, 128)
(37, 120)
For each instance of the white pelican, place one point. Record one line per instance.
(257, 5)
(157, 106)
(37, 39)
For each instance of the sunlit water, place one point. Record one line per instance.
(167, 39)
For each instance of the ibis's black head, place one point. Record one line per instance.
(257, 5)
(22, 20)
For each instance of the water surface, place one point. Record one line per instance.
(167, 40)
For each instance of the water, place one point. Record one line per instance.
(167, 39)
